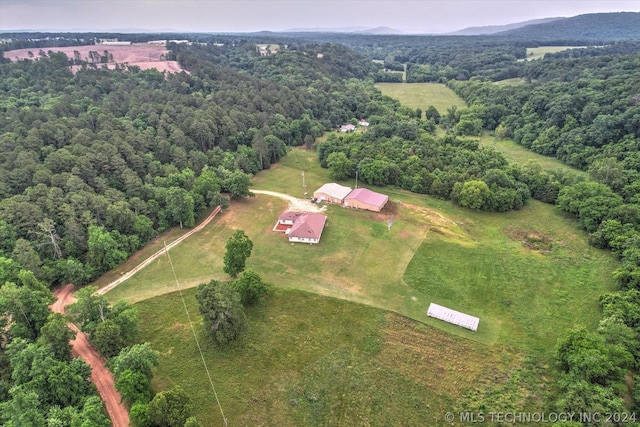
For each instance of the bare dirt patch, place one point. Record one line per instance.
(140, 55)
(534, 240)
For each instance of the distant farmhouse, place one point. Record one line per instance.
(347, 128)
(332, 193)
(302, 227)
(113, 42)
(362, 198)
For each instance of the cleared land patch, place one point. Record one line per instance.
(311, 360)
(144, 56)
(422, 95)
(539, 52)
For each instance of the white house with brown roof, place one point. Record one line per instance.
(363, 198)
(307, 228)
(332, 193)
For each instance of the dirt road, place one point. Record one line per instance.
(100, 375)
(295, 204)
(158, 254)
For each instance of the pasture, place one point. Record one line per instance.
(492, 274)
(539, 52)
(518, 154)
(422, 95)
(411, 95)
(327, 347)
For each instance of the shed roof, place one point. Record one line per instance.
(309, 226)
(369, 197)
(334, 190)
(454, 317)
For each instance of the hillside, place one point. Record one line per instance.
(594, 26)
(492, 29)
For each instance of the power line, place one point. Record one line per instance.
(195, 337)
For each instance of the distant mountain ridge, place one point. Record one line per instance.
(354, 30)
(492, 29)
(592, 26)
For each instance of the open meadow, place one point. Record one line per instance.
(539, 52)
(422, 95)
(528, 275)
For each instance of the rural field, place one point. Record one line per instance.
(422, 95)
(344, 338)
(539, 52)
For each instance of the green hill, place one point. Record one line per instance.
(598, 27)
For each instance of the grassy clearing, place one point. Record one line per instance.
(518, 154)
(314, 361)
(422, 95)
(309, 359)
(539, 52)
(435, 252)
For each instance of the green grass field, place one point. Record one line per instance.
(316, 361)
(517, 154)
(539, 52)
(310, 359)
(422, 95)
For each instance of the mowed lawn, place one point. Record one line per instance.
(422, 95)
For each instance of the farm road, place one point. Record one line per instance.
(295, 204)
(100, 375)
(158, 254)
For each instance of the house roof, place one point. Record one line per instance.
(365, 195)
(334, 190)
(348, 127)
(289, 216)
(308, 225)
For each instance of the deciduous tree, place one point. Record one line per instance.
(238, 250)
(222, 311)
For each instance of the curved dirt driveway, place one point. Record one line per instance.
(295, 204)
(100, 375)
(158, 254)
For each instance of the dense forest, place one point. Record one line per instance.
(94, 165)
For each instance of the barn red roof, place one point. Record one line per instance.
(309, 225)
(367, 196)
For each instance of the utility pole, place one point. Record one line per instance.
(356, 178)
(303, 184)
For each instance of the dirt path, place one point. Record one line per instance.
(100, 375)
(158, 254)
(295, 204)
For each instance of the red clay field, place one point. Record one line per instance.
(144, 56)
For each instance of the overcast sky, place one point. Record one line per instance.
(411, 16)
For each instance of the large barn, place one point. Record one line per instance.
(362, 198)
(332, 193)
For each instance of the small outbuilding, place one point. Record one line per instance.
(363, 198)
(453, 317)
(347, 128)
(332, 193)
